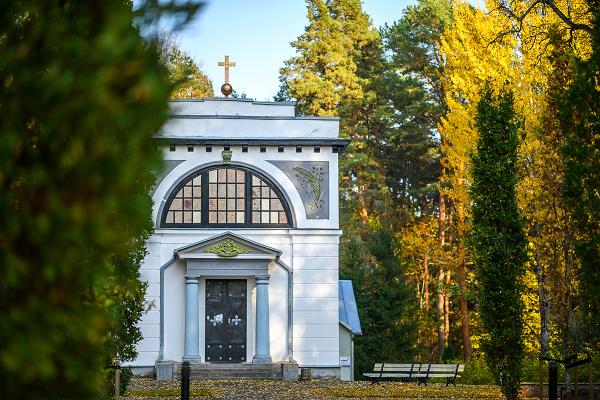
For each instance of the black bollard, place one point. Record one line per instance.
(552, 381)
(185, 380)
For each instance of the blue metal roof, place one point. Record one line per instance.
(348, 310)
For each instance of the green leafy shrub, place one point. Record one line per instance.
(477, 373)
(81, 96)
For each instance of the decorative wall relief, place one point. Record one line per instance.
(226, 156)
(227, 248)
(311, 179)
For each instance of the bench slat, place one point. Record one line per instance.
(378, 365)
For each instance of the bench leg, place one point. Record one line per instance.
(422, 381)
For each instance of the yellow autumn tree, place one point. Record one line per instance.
(526, 48)
(472, 54)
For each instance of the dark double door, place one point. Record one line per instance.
(225, 329)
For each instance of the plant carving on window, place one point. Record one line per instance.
(225, 196)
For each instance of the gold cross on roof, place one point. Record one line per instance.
(226, 64)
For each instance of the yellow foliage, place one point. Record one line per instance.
(483, 47)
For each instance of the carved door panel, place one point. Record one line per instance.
(225, 325)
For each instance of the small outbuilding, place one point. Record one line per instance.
(349, 327)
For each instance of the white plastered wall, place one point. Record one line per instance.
(310, 250)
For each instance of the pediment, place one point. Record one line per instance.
(227, 245)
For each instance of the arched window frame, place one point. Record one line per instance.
(204, 198)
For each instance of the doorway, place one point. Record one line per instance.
(226, 319)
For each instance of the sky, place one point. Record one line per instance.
(256, 34)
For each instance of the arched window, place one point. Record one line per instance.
(225, 196)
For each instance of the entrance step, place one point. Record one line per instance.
(276, 371)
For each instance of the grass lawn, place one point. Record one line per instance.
(322, 389)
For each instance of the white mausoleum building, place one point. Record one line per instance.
(243, 263)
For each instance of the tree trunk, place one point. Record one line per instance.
(542, 297)
(462, 282)
(442, 340)
(440, 312)
(446, 310)
(426, 282)
(464, 310)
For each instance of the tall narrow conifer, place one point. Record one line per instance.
(497, 238)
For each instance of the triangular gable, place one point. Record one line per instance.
(227, 245)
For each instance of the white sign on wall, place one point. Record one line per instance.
(344, 361)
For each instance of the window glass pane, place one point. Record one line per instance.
(240, 204)
(264, 217)
(255, 217)
(240, 217)
(282, 218)
(231, 175)
(221, 191)
(240, 176)
(196, 181)
(276, 205)
(187, 217)
(176, 204)
(221, 175)
(212, 176)
(221, 217)
(230, 190)
(212, 204)
(212, 217)
(274, 217)
(264, 204)
(222, 206)
(231, 217)
(240, 190)
(196, 217)
(231, 204)
(178, 217)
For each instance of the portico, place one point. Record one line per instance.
(227, 256)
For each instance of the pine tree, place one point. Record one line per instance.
(185, 74)
(384, 301)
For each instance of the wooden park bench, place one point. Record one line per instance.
(419, 372)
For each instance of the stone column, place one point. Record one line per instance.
(262, 351)
(191, 350)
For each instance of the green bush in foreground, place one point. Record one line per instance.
(81, 95)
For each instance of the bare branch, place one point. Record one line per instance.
(574, 26)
